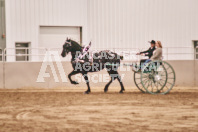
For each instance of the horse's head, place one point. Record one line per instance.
(70, 46)
(66, 47)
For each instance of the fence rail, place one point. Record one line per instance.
(38, 54)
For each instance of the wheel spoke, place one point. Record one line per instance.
(170, 83)
(167, 87)
(162, 81)
(144, 75)
(140, 78)
(160, 84)
(149, 84)
(157, 87)
(145, 79)
(162, 74)
(152, 85)
(145, 82)
(138, 83)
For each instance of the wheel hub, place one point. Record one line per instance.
(150, 76)
(157, 78)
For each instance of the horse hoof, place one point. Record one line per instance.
(86, 92)
(74, 82)
(121, 92)
(106, 90)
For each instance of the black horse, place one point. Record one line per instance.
(100, 60)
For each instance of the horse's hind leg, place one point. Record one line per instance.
(69, 76)
(120, 81)
(87, 82)
(113, 77)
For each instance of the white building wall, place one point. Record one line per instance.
(24, 17)
(108, 23)
(132, 23)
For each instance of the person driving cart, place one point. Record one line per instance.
(157, 54)
(148, 53)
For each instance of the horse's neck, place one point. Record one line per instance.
(76, 46)
(74, 52)
(73, 56)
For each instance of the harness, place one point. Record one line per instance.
(83, 53)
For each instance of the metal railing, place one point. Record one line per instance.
(169, 53)
(196, 53)
(178, 53)
(38, 54)
(1, 54)
(33, 54)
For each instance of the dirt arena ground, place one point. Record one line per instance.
(66, 110)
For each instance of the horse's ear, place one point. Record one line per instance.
(67, 38)
(90, 43)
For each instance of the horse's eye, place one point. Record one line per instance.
(67, 45)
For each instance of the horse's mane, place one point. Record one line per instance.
(76, 45)
(74, 42)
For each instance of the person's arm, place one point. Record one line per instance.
(147, 51)
(157, 54)
(144, 51)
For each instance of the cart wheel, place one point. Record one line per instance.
(158, 77)
(137, 80)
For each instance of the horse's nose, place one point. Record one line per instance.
(63, 54)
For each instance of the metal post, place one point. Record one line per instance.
(167, 52)
(26, 55)
(4, 67)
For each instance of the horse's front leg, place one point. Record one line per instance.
(121, 84)
(73, 73)
(87, 82)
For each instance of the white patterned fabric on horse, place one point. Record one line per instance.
(84, 52)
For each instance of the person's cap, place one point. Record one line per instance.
(152, 41)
